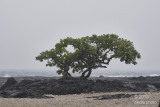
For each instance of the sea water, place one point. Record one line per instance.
(97, 73)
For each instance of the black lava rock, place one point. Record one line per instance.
(38, 88)
(10, 83)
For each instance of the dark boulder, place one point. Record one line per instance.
(109, 97)
(108, 86)
(70, 86)
(10, 83)
(141, 86)
(13, 94)
(157, 85)
(101, 76)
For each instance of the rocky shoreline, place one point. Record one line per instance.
(38, 87)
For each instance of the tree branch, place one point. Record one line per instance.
(109, 59)
(89, 73)
(108, 51)
(103, 62)
(84, 72)
(99, 66)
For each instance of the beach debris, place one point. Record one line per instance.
(109, 97)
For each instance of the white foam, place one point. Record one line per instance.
(6, 75)
(153, 75)
(118, 76)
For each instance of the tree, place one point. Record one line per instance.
(89, 53)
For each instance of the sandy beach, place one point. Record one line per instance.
(149, 99)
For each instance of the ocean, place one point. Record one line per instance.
(97, 73)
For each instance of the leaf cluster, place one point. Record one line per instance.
(89, 53)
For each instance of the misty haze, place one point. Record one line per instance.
(63, 47)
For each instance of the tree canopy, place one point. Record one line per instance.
(90, 52)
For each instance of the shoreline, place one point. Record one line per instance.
(91, 98)
(150, 79)
(4, 79)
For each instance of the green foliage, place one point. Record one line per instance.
(64, 75)
(89, 53)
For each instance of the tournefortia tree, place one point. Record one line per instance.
(89, 53)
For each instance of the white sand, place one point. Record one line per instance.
(150, 99)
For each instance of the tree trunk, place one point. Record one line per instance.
(83, 74)
(66, 71)
(89, 70)
(89, 73)
(69, 75)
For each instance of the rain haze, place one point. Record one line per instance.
(28, 27)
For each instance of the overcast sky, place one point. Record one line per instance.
(28, 27)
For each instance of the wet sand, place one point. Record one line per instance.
(148, 99)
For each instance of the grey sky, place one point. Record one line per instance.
(28, 27)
